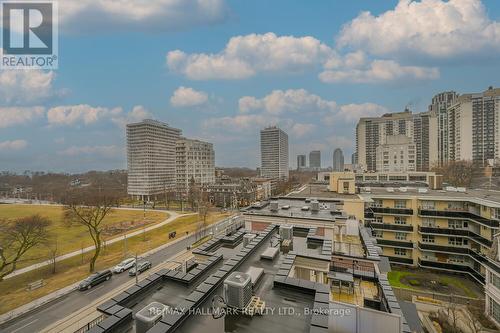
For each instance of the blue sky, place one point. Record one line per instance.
(220, 70)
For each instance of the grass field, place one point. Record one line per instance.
(13, 292)
(72, 238)
(434, 282)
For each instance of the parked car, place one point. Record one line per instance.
(140, 267)
(124, 265)
(95, 279)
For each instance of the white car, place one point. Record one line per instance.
(124, 265)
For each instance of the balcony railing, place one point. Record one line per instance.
(387, 226)
(400, 260)
(456, 232)
(453, 267)
(395, 243)
(392, 211)
(454, 214)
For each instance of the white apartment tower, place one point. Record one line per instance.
(373, 132)
(274, 153)
(398, 154)
(151, 157)
(439, 108)
(194, 160)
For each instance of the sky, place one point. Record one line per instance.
(220, 70)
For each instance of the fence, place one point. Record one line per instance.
(406, 294)
(90, 325)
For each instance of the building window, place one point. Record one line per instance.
(455, 224)
(457, 241)
(428, 222)
(494, 310)
(456, 259)
(378, 233)
(495, 280)
(378, 219)
(400, 236)
(377, 203)
(428, 239)
(399, 251)
(400, 220)
(428, 205)
(400, 204)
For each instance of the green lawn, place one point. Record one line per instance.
(394, 278)
(13, 291)
(70, 238)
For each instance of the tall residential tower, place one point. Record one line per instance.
(274, 153)
(151, 158)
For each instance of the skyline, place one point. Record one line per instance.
(222, 77)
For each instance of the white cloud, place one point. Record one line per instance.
(92, 150)
(137, 114)
(26, 86)
(380, 71)
(240, 123)
(433, 28)
(245, 56)
(13, 145)
(299, 130)
(11, 116)
(187, 97)
(82, 113)
(292, 100)
(133, 15)
(351, 113)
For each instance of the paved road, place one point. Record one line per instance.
(44, 316)
(172, 217)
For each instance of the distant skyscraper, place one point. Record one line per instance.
(195, 160)
(301, 162)
(421, 128)
(274, 153)
(151, 157)
(354, 158)
(338, 160)
(439, 107)
(315, 159)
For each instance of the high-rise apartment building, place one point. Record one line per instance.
(151, 157)
(398, 154)
(439, 107)
(315, 159)
(274, 153)
(373, 132)
(469, 126)
(195, 160)
(301, 162)
(338, 160)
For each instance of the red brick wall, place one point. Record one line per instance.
(259, 226)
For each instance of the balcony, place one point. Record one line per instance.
(452, 267)
(454, 214)
(400, 260)
(392, 211)
(456, 232)
(395, 243)
(387, 226)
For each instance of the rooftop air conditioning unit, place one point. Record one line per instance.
(238, 290)
(286, 231)
(403, 189)
(390, 189)
(422, 190)
(314, 205)
(247, 238)
(147, 317)
(274, 206)
(461, 189)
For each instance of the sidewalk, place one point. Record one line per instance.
(172, 216)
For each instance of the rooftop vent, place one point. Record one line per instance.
(238, 290)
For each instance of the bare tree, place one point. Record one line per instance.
(53, 252)
(457, 173)
(18, 237)
(89, 210)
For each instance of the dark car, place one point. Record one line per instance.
(95, 279)
(140, 267)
